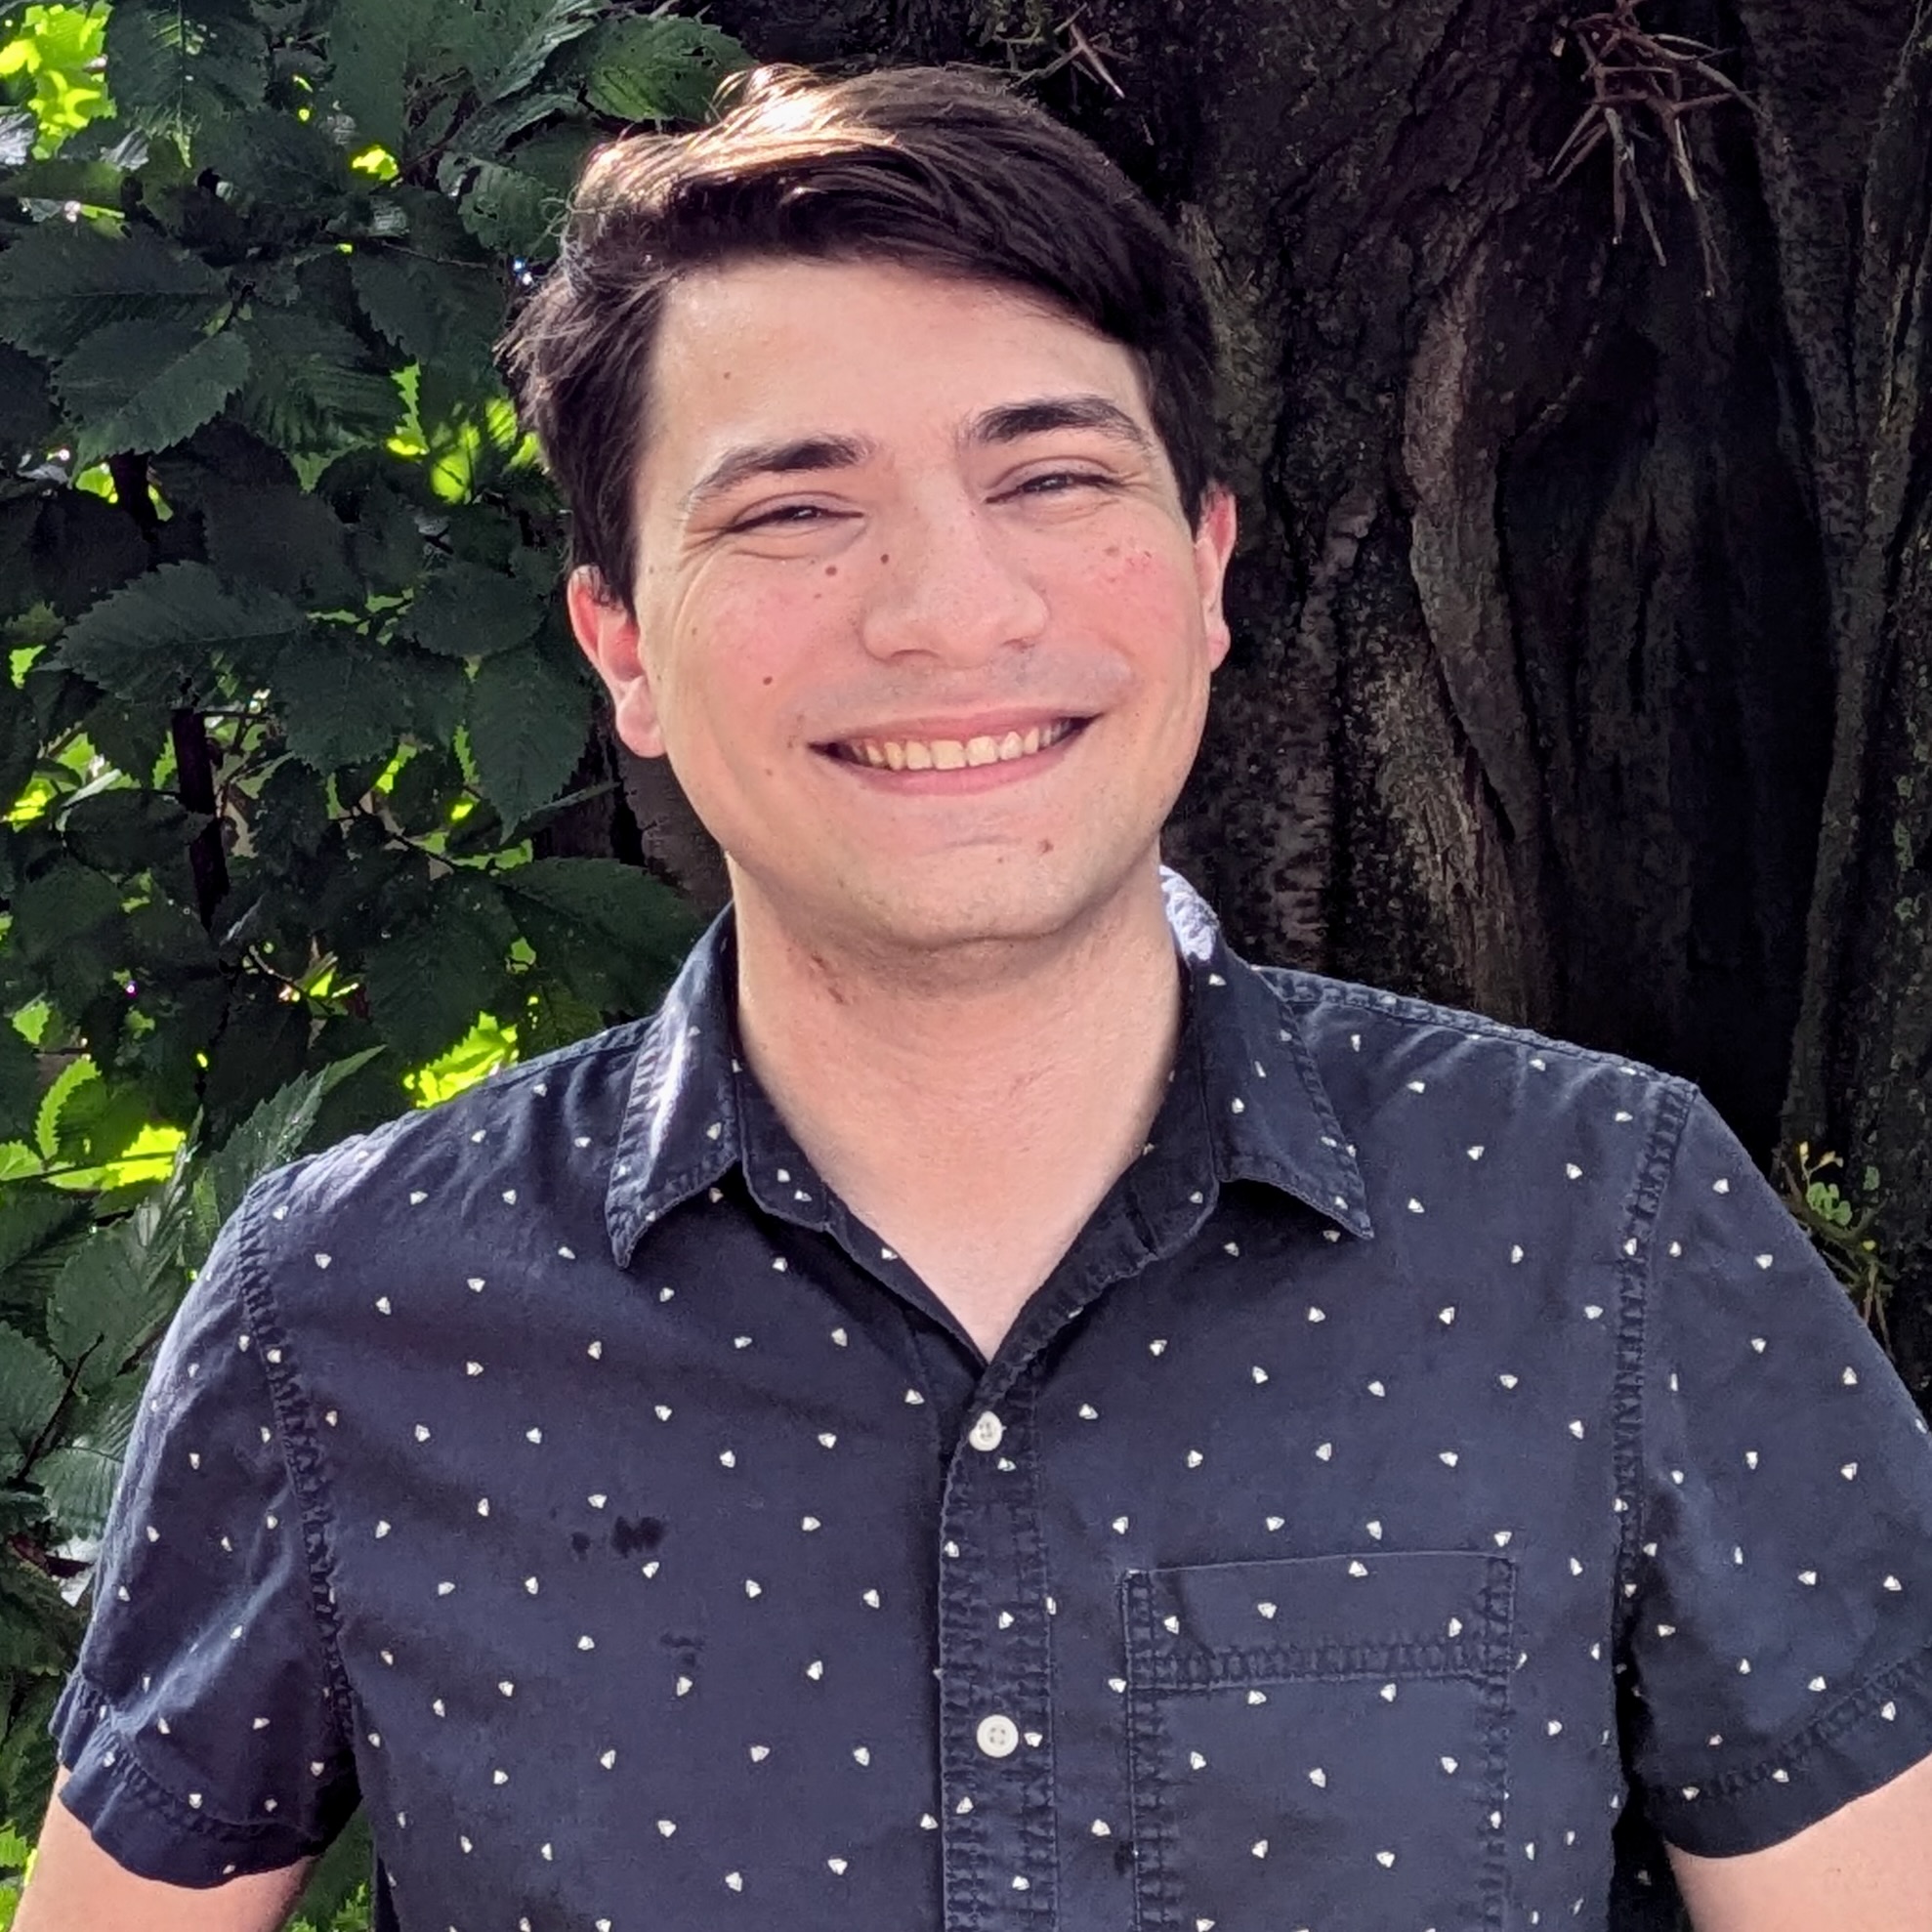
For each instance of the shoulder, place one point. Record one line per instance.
(545, 1123)
(1396, 1069)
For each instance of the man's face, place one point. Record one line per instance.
(892, 530)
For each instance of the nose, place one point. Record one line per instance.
(948, 587)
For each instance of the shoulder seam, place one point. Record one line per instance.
(298, 1453)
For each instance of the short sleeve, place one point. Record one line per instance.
(1780, 1601)
(201, 1725)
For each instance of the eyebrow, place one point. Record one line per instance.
(1007, 422)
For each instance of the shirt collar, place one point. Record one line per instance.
(693, 1109)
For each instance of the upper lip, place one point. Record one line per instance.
(931, 730)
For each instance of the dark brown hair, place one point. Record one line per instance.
(938, 168)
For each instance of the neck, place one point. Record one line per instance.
(933, 1095)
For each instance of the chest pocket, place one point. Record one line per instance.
(1320, 1743)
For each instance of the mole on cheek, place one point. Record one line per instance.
(765, 680)
(885, 557)
(1046, 846)
(831, 570)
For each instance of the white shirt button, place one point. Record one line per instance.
(988, 1432)
(998, 1736)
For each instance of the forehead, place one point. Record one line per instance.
(804, 347)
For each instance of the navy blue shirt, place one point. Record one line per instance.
(1438, 1467)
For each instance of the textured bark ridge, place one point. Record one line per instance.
(1581, 611)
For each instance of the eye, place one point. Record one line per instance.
(1060, 483)
(787, 515)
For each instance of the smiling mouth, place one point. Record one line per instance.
(952, 754)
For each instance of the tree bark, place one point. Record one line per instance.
(1583, 604)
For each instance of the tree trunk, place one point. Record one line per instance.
(1583, 604)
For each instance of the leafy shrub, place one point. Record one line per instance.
(305, 811)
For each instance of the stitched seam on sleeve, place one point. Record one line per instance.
(1846, 1714)
(1642, 1217)
(300, 1457)
(132, 1777)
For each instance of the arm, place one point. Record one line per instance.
(75, 1883)
(1866, 1867)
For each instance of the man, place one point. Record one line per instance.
(987, 1410)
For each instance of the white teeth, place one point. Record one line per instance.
(954, 754)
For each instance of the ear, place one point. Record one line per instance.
(1214, 545)
(607, 630)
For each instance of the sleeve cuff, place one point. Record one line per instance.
(1866, 1740)
(149, 1831)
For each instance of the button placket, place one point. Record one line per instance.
(998, 1852)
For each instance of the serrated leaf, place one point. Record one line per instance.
(39, 1634)
(370, 43)
(527, 720)
(660, 67)
(60, 907)
(340, 698)
(78, 1482)
(28, 419)
(61, 281)
(174, 66)
(146, 386)
(110, 1301)
(561, 22)
(310, 387)
(285, 538)
(81, 549)
(272, 160)
(152, 641)
(611, 933)
(429, 982)
(31, 1386)
(484, 134)
(32, 1217)
(465, 610)
(512, 213)
(19, 1083)
(445, 312)
(273, 1133)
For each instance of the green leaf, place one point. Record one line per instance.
(78, 1481)
(274, 1133)
(152, 641)
(110, 1302)
(445, 312)
(273, 162)
(285, 538)
(19, 1083)
(173, 64)
(465, 610)
(528, 719)
(81, 549)
(426, 983)
(31, 1386)
(513, 213)
(145, 386)
(559, 23)
(61, 281)
(60, 907)
(371, 44)
(484, 134)
(611, 933)
(311, 388)
(28, 420)
(33, 1216)
(660, 67)
(341, 698)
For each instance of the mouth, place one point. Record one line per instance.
(947, 754)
